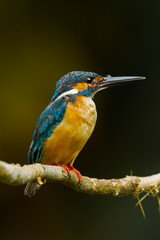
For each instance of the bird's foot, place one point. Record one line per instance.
(63, 166)
(76, 172)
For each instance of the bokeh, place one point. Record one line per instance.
(40, 41)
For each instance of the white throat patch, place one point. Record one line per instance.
(70, 92)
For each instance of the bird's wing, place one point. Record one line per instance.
(47, 122)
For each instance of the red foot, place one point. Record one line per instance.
(76, 172)
(63, 166)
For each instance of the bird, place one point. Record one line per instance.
(68, 121)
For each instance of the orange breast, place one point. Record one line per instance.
(72, 133)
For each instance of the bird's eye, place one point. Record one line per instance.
(90, 79)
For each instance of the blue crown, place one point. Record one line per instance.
(71, 79)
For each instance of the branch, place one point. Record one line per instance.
(16, 175)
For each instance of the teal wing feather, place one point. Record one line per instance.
(48, 121)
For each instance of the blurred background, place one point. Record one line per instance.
(40, 41)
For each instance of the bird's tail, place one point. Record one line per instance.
(31, 188)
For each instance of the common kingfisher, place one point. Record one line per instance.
(67, 123)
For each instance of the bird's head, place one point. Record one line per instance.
(88, 83)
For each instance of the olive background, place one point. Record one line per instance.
(40, 41)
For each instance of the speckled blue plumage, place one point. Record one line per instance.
(55, 112)
(47, 122)
(67, 82)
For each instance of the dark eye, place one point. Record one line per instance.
(90, 79)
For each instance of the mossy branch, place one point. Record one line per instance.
(14, 174)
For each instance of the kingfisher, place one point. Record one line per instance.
(68, 121)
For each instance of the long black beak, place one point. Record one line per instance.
(114, 81)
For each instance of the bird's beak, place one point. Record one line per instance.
(109, 81)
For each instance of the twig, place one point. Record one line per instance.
(16, 175)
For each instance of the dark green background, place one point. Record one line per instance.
(40, 41)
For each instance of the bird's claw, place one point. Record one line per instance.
(69, 167)
(63, 166)
(76, 172)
